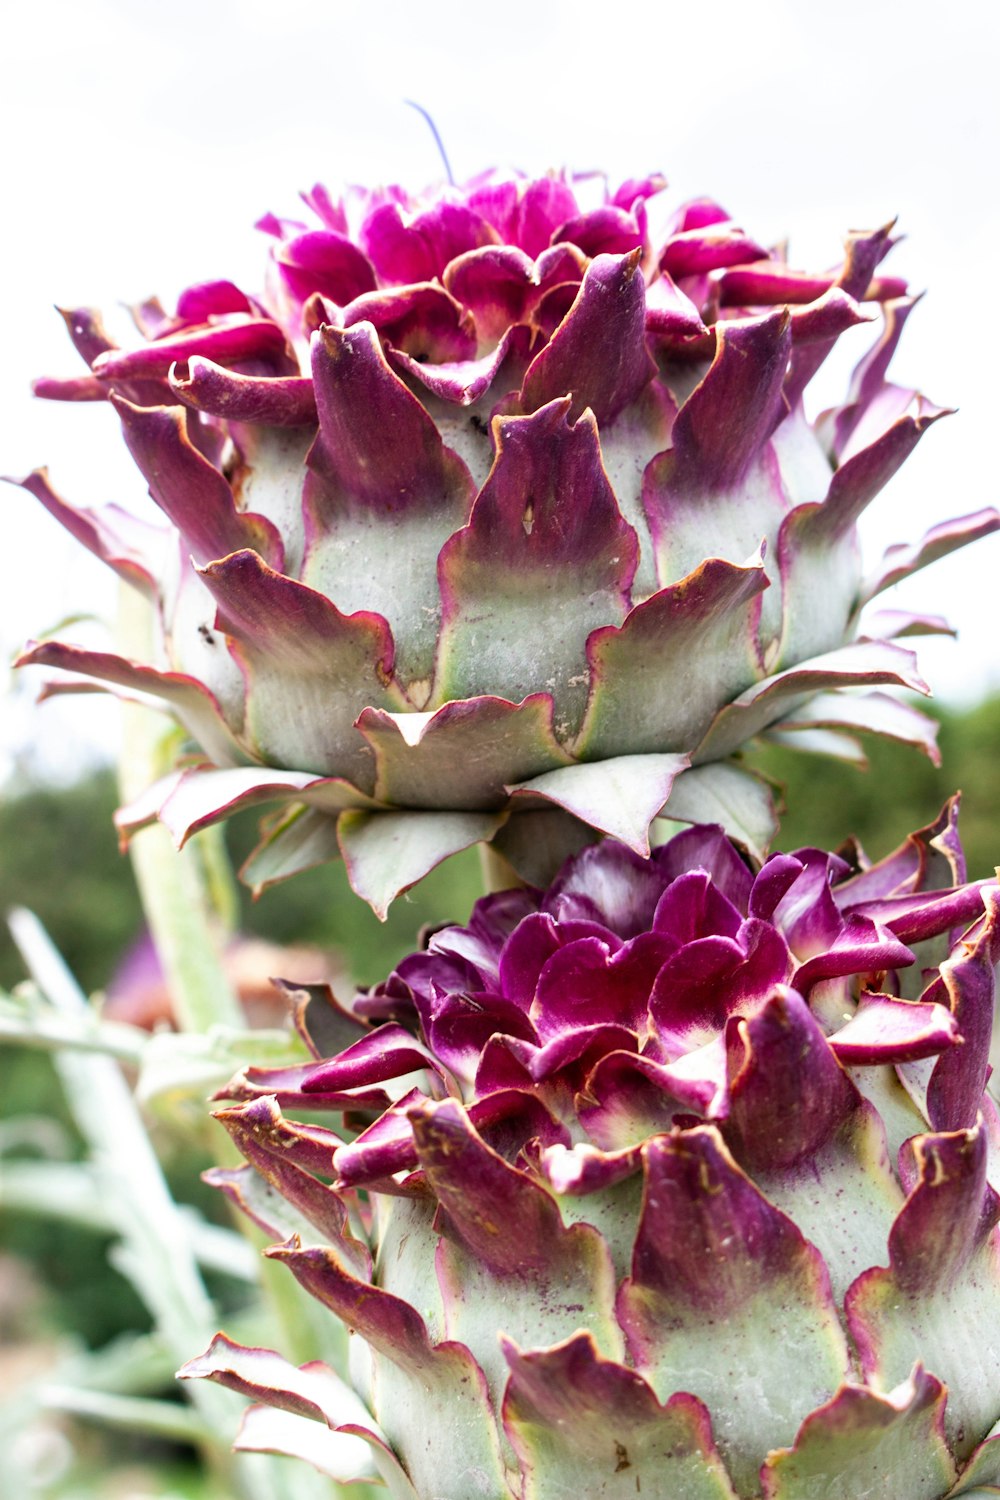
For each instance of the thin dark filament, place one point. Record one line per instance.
(437, 137)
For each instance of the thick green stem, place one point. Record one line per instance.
(186, 895)
(498, 875)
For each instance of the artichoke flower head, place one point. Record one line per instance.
(495, 518)
(669, 1180)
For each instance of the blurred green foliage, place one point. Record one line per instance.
(827, 800)
(59, 856)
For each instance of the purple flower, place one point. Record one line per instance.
(670, 1179)
(497, 517)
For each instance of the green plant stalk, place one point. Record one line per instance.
(72, 1192)
(30, 1025)
(497, 873)
(187, 895)
(163, 1419)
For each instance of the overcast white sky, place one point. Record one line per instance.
(141, 140)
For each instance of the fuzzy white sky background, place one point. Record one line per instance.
(142, 140)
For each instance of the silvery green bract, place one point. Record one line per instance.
(671, 1180)
(498, 518)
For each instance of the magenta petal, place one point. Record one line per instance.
(707, 247)
(420, 249)
(885, 1030)
(608, 313)
(629, 1098)
(968, 980)
(712, 978)
(608, 884)
(424, 321)
(772, 883)
(231, 341)
(496, 283)
(608, 230)
(493, 919)
(470, 1181)
(329, 210)
(584, 984)
(925, 914)
(272, 400)
(788, 1095)
(692, 907)
(460, 1026)
(927, 860)
(377, 445)
(731, 414)
(531, 945)
(870, 374)
(581, 1168)
(823, 321)
(269, 1142)
(673, 322)
(462, 382)
(211, 299)
(190, 490)
(73, 388)
(322, 260)
(862, 252)
(85, 327)
(707, 848)
(386, 1147)
(769, 283)
(388, 1051)
(635, 189)
(544, 204)
(575, 1047)
(861, 947)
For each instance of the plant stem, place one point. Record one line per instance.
(498, 875)
(180, 891)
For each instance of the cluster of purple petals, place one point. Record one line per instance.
(612, 1006)
(446, 281)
